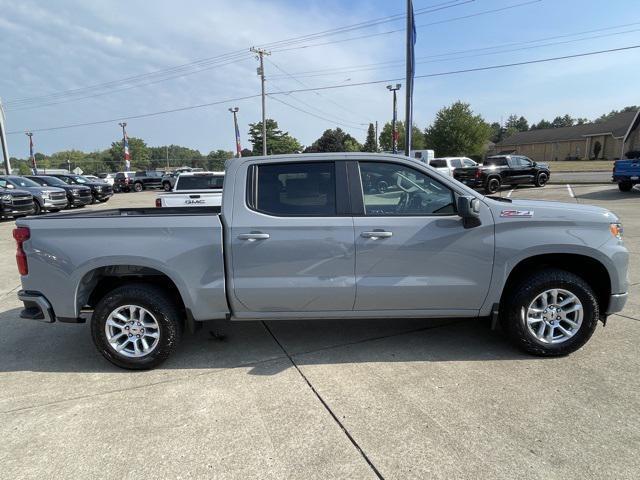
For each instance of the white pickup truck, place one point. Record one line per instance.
(194, 189)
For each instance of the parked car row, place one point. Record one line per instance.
(36, 194)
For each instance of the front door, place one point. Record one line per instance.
(412, 250)
(292, 240)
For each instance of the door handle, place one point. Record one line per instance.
(375, 235)
(252, 237)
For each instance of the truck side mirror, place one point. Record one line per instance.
(469, 211)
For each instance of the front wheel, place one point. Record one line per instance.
(136, 326)
(541, 179)
(493, 185)
(625, 186)
(166, 186)
(138, 187)
(550, 313)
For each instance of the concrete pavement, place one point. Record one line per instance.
(361, 399)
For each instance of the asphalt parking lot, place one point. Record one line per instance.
(327, 399)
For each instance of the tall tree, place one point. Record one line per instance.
(517, 124)
(541, 125)
(334, 141)
(386, 139)
(457, 131)
(370, 142)
(217, 158)
(564, 121)
(277, 141)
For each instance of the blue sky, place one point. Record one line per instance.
(56, 46)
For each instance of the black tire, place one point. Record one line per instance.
(541, 179)
(513, 322)
(156, 301)
(138, 187)
(166, 186)
(105, 200)
(37, 208)
(625, 186)
(492, 185)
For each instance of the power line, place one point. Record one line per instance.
(317, 93)
(388, 32)
(313, 114)
(183, 69)
(331, 87)
(434, 59)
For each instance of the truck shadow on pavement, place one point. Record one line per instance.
(612, 194)
(27, 346)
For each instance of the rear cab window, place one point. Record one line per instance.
(496, 162)
(292, 189)
(200, 182)
(438, 163)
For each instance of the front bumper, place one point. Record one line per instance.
(617, 302)
(75, 201)
(55, 204)
(12, 211)
(102, 195)
(36, 307)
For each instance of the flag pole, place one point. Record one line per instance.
(3, 141)
(411, 38)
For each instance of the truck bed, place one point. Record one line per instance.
(70, 250)
(133, 212)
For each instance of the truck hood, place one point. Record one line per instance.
(546, 210)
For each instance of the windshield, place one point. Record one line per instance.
(53, 181)
(80, 179)
(22, 182)
(199, 182)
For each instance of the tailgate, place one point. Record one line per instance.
(191, 199)
(465, 173)
(627, 167)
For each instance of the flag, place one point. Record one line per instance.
(32, 156)
(127, 156)
(238, 146)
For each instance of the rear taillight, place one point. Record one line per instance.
(158, 203)
(478, 173)
(21, 234)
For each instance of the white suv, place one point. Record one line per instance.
(447, 165)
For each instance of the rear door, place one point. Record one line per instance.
(292, 239)
(412, 250)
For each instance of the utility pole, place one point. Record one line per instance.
(3, 141)
(125, 147)
(32, 156)
(166, 150)
(261, 53)
(394, 132)
(234, 110)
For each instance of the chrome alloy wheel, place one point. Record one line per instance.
(132, 331)
(554, 316)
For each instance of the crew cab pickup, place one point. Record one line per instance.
(318, 236)
(626, 173)
(194, 189)
(499, 170)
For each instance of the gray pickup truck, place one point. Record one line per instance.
(325, 236)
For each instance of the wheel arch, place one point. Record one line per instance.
(590, 269)
(97, 282)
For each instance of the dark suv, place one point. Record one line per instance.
(501, 170)
(136, 181)
(100, 191)
(15, 203)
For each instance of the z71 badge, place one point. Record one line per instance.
(516, 213)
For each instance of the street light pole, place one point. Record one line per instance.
(234, 110)
(3, 141)
(394, 133)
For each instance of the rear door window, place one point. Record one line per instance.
(438, 163)
(294, 189)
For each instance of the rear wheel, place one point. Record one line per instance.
(541, 179)
(493, 185)
(550, 313)
(136, 326)
(138, 187)
(166, 186)
(37, 208)
(625, 186)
